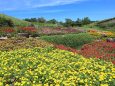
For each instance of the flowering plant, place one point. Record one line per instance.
(53, 67)
(29, 29)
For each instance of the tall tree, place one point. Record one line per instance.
(78, 22)
(52, 21)
(41, 20)
(68, 23)
(86, 21)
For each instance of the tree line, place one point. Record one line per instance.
(68, 22)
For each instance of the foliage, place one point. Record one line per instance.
(68, 23)
(6, 22)
(78, 22)
(40, 20)
(19, 43)
(31, 20)
(104, 25)
(47, 66)
(13, 21)
(86, 21)
(52, 21)
(101, 50)
(70, 40)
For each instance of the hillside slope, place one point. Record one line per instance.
(17, 22)
(106, 21)
(107, 24)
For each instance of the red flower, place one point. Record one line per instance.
(62, 47)
(8, 30)
(101, 50)
(29, 29)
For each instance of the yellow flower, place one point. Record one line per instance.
(86, 80)
(1, 83)
(86, 84)
(81, 81)
(113, 76)
(104, 85)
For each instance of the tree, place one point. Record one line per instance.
(27, 19)
(86, 21)
(78, 22)
(52, 21)
(33, 20)
(41, 20)
(68, 23)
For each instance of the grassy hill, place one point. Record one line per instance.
(106, 21)
(107, 24)
(16, 22)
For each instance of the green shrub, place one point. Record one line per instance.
(6, 22)
(13, 21)
(71, 40)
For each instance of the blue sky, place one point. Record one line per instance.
(59, 9)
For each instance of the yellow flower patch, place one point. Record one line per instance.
(54, 67)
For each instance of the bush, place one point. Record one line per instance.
(6, 22)
(70, 40)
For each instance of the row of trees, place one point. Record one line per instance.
(68, 22)
(41, 20)
(78, 22)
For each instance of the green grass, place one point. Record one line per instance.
(17, 22)
(70, 40)
(104, 25)
(39, 25)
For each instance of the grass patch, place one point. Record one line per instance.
(70, 40)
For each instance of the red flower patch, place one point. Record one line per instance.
(8, 30)
(62, 47)
(29, 29)
(102, 50)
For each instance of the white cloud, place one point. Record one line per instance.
(25, 4)
(55, 3)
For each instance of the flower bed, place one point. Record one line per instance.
(19, 43)
(29, 29)
(62, 47)
(57, 31)
(102, 50)
(6, 30)
(48, 66)
(102, 33)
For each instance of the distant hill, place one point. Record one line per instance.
(107, 24)
(107, 21)
(16, 22)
